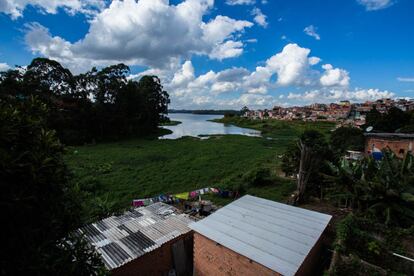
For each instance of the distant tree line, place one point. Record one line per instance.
(94, 106)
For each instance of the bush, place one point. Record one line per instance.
(258, 177)
(90, 184)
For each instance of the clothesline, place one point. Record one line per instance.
(172, 198)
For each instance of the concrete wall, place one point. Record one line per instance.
(211, 258)
(395, 145)
(159, 261)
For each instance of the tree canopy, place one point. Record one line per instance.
(39, 206)
(94, 106)
(347, 138)
(395, 120)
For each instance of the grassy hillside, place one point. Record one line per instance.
(277, 129)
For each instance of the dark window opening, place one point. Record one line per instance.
(401, 151)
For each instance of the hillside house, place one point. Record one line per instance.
(399, 143)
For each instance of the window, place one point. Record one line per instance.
(401, 151)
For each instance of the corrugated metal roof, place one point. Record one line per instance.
(276, 235)
(121, 239)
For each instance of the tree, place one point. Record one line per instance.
(347, 138)
(313, 150)
(94, 106)
(39, 206)
(290, 160)
(373, 117)
(156, 100)
(45, 76)
(108, 82)
(392, 121)
(244, 110)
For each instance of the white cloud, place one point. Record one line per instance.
(333, 95)
(147, 32)
(312, 31)
(184, 75)
(374, 5)
(259, 17)
(4, 67)
(228, 49)
(334, 76)
(15, 8)
(314, 60)
(223, 27)
(240, 2)
(293, 66)
(252, 40)
(405, 79)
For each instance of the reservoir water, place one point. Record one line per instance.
(199, 125)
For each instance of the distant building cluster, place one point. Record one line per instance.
(344, 112)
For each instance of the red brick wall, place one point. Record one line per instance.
(394, 144)
(211, 258)
(157, 262)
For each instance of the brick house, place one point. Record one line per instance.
(399, 143)
(153, 240)
(255, 236)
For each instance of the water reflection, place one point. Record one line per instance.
(198, 125)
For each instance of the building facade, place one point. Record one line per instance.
(399, 143)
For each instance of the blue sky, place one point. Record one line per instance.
(229, 53)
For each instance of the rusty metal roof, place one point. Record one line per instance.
(276, 235)
(121, 239)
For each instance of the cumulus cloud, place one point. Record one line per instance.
(184, 75)
(374, 5)
(259, 17)
(15, 8)
(147, 32)
(312, 31)
(333, 95)
(293, 66)
(240, 2)
(334, 76)
(4, 66)
(236, 87)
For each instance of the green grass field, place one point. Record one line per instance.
(116, 173)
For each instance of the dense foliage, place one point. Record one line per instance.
(395, 120)
(39, 207)
(306, 158)
(383, 190)
(94, 106)
(366, 247)
(347, 138)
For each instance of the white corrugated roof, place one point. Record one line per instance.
(276, 235)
